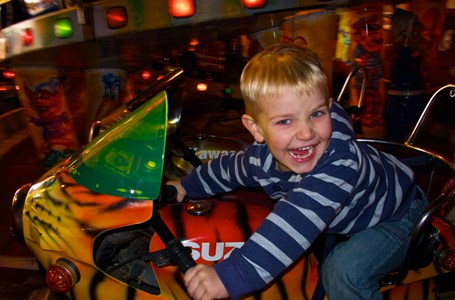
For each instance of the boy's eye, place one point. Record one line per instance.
(316, 114)
(284, 122)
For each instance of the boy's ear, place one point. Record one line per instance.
(250, 124)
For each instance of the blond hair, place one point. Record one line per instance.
(279, 69)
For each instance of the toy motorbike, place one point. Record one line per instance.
(103, 226)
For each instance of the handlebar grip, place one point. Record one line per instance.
(169, 194)
(179, 254)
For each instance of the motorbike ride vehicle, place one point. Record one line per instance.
(102, 224)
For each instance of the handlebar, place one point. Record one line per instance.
(361, 70)
(415, 132)
(179, 254)
(169, 195)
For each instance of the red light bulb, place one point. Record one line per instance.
(27, 36)
(182, 8)
(252, 4)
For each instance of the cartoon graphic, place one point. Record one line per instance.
(343, 38)
(367, 37)
(56, 124)
(113, 86)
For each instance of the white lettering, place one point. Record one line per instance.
(202, 154)
(219, 249)
(212, 154)
(194, 253)
(222, 250)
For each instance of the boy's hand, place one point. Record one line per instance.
(203, 283)
(181, 192)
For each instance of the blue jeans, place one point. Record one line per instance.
(352, 270)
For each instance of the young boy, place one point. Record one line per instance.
(305, 157)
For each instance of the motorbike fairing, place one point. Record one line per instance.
(127, 161)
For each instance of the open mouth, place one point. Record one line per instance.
(301, 153)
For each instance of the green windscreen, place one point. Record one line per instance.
(127, 160)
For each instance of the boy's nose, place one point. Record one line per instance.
(305, 132)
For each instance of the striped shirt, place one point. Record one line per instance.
(353, 186)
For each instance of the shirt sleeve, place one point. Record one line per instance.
(221, 175)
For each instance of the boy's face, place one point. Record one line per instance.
(296, 128)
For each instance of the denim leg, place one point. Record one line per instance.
(354, 267)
